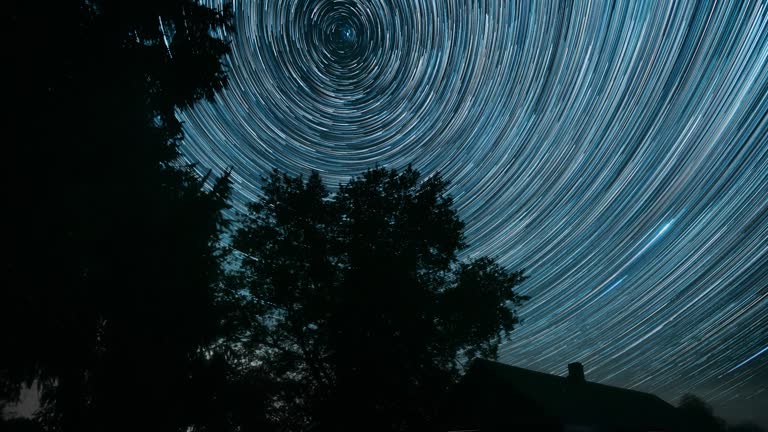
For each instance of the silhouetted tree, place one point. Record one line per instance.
(369, 314)
(698, 415)
(110, 289)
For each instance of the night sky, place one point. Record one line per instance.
(616, 151)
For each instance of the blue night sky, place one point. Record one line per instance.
(618, 151)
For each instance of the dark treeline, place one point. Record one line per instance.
(122, 304)
(698, 416)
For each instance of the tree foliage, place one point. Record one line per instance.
(697, 415)
(367, 310)
(109, 295)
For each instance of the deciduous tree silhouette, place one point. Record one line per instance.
(369, 314)
(109, 288)
(697, 415)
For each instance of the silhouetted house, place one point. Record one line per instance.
(497, 397)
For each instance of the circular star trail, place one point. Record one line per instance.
(616, 150)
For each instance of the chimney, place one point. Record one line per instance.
(576, 372)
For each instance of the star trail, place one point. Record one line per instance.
(618, 151)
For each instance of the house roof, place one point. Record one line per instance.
(574, 401)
